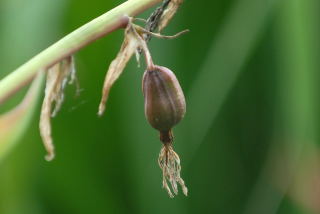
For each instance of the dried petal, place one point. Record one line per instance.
(57, 78)
(129, 46)
(168, 14)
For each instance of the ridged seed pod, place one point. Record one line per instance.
(164, 100)
(165, 106)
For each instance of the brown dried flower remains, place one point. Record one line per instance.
(164, 99)
(57, 78)
(131, 43)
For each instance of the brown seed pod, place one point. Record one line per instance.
(165, 106)
(164, 100)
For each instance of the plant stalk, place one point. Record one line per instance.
(93, 30)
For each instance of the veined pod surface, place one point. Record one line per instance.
(165, 104)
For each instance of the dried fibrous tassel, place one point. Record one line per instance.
(169, 163)
(57, 78)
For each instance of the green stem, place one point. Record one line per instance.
(97, 28)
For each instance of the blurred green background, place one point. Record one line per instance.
(249, 142)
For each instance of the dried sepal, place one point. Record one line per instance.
(130, 45)
(168, 13)
(57, 78)
(169, 163)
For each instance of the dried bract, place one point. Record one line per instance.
(168, 14)
(129, 46)
(57, 78)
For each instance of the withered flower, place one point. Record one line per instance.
(164, 100)
(133, 42)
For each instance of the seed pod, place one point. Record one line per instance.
(164, 100)
(164, 107)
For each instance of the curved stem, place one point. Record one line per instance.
(147, 56)
(95, 29)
